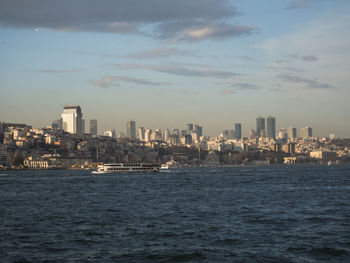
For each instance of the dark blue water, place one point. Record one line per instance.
(232, 214)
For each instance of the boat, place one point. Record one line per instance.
(126, 168)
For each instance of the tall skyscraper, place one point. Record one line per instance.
(306, 132)
(93, 127)
(292, 132)
(238, 130)
(260, 125)
(199, 130)
(131, 129)
(271, 127)
(72, 119)
(142, 133)
(189, 128)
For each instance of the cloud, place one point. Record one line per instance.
(114, 80)
(284, 68)
(180, 70)
(56, 71)
(293, 4)
(162, 52)
(245, 86)
(194, 30)
(225, 92)
(166, 19)
(247, 58)
(309, 58)
(311, 84)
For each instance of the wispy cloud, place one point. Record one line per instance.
(245, 86)
(107, 81)
(226, 92)
(312, 84)
(162, 52)
(180, 70)
(292, 69)
(169, 20)
(56, 70)
(247, 58)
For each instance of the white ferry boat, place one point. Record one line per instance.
(126, 168)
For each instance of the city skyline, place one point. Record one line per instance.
(213, 64)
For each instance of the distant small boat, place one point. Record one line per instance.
(164, 167)
(126, 168)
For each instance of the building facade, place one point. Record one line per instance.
(271, 127)
(72, 119)
(131, 129)
(93, 127)
(260, 126)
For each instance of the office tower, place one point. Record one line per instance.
(271, 127)
(93, 127)
(199, 130)
(183, 133)
(131, 129)
(83, 126)
(148, 134)
(57, 124)
(292, 132)
(142, 131)
(238, 130)
(306, 132)
(260, 125)
(166, 135)
(189, 128)
(72, 119)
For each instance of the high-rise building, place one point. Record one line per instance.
(131, 129)
(238, 130)
(271, 127)
(199, 130)
(260, 125)
(189, 128)
(93, 127)
(142, 131)
(306, 132)
(72, 119)
(166, 135)
(292, 132)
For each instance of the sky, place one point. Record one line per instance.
(165, 63)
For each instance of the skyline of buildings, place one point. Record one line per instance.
(72, 122)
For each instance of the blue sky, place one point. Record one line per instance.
(165, 63)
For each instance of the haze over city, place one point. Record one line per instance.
(168, 63)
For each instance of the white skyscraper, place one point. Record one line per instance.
(72, 119)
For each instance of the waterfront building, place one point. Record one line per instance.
(72, 119)
(271, 127)
(292, 132)
(260, 125)
(93, 127)
(183, 133)
(238, 130)
(131, 129)
(306, 132)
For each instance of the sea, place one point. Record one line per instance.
(297, 213)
